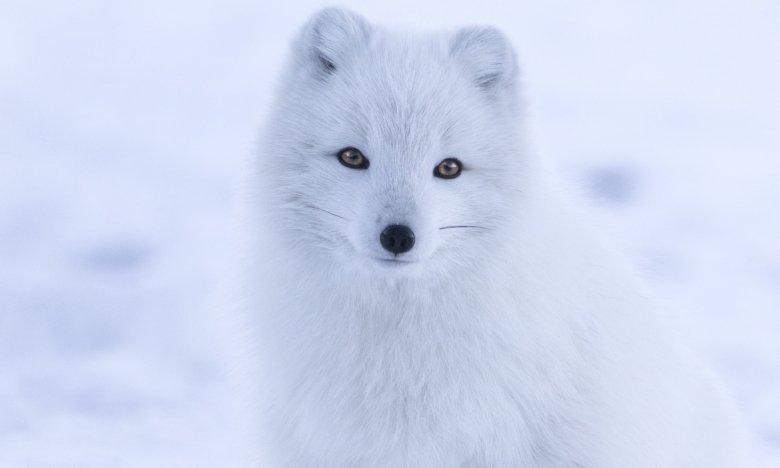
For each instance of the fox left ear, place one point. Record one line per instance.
(330, 37)
(487, 56)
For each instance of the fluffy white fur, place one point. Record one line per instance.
(523, 344)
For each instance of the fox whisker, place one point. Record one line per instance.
(463, 227)
(323, 210)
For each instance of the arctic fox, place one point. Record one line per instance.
(423, 294)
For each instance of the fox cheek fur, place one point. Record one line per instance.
(403, 316)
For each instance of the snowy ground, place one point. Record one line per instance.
(124, 126)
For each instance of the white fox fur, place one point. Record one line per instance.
(521, 342)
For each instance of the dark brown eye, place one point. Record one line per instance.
(353, 158)
(447, 169)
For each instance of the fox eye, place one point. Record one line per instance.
(447, 169)
(353, 158)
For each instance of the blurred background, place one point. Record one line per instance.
(124, 132)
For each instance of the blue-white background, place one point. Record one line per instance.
(125, 125)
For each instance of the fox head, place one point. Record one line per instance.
(394, 153)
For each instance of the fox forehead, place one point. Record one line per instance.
(403, 106)
(394, 93)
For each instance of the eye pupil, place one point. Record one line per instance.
(448, 169)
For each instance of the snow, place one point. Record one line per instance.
(124, 128)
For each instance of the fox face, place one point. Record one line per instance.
(395, 153)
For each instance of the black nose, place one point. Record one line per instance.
(397, 239)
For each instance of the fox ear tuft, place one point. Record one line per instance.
(330, 36)
(486, 55)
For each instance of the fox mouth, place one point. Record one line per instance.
(394, 262)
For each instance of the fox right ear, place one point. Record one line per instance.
(487, 57)
(329, 37)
